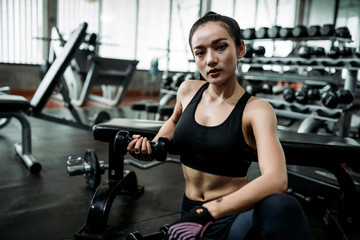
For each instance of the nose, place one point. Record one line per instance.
(211, 58)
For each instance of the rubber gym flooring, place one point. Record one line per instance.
(54, 206)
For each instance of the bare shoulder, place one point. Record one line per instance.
(255, 103)
(189, 88)
(259, 109)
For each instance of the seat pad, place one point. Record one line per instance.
(11, 103)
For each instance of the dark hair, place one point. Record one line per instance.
(229, 23)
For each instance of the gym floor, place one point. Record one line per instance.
(52, 205)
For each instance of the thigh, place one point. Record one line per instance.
(242, 226)
(280, 216)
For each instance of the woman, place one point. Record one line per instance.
(218, 128)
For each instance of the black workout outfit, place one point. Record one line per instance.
(222, 150)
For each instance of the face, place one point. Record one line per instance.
(215, 53)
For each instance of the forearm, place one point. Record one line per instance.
(167, 130)
(247, 197)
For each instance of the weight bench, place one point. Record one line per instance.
(52, 80)
(15, 106)
(300, 149)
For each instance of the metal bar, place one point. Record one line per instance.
(336, 11)
(169, 38)
(2, 30)
(136, 28)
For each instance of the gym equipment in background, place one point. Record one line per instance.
(89, 166)
(17, 106)
(112, 75)
(13, 106)
(52, 81)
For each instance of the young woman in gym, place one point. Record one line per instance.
(218, 128)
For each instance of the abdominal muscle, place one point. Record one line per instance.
(201, 186)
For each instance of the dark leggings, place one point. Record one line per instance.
(278, 216)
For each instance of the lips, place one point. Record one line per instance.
(214, 72)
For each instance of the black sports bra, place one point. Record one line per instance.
(220, 149)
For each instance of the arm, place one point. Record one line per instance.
(184, 95)
(261, 121)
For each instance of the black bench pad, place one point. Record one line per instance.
(106, 132)
(11, 103)
(302, 149)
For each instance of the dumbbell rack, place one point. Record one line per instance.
(352, 64)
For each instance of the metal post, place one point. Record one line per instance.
(349, 84)
(336, 11)
(169, 38)
(136, 28)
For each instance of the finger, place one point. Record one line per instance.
(136, 136)
(138, 145)
(144, 145)
(148, 147)
(131, 145)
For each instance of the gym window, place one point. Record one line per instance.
(20, 23)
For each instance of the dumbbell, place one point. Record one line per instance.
(289, 94)
(314, 31)
(345, 96)
(327, 30)
(257, 51)
(342, 32)
(159, 148)
(301, 95)
(313, 94)
(253, 90)
(329, 99)
(346, 52)
(89, 166)
(334, 52)
(285, 32)
(262, 33)
(153, 236)
(249, 33)
(177, 79)
(166, 81)
(319, 51)
(274, 32)
(306, 52)
(248, 51)
(299, 31)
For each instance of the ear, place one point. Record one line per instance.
(240, 50)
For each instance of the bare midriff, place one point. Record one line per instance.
(202, 186)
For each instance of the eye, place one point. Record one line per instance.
(222, 47)
(199, 53)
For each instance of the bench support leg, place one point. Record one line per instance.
(24, 149)
(119, 182)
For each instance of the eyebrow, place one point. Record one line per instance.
(213, 42)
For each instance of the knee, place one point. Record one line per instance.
(279, 205)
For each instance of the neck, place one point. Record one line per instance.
(229, 92)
